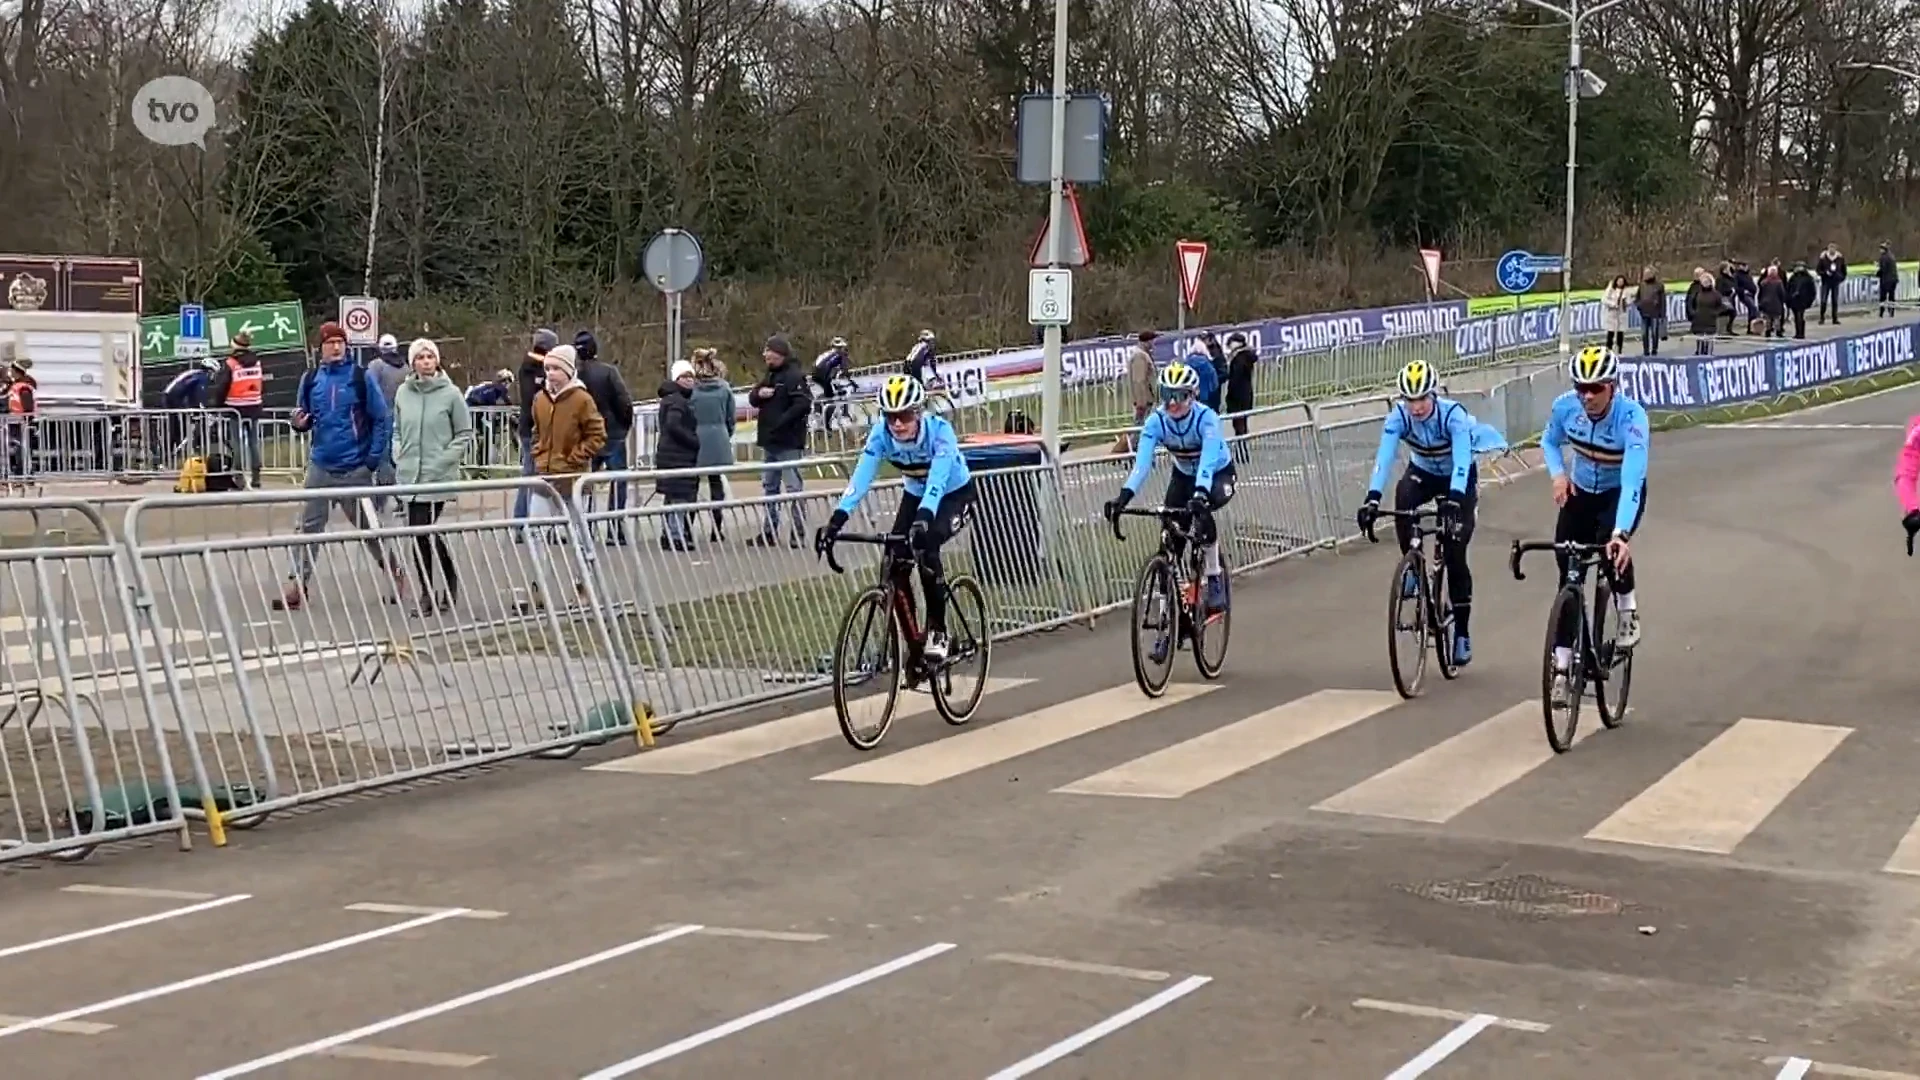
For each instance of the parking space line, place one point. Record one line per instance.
(417, 909)
(1440, 1051)
(760, 1016)
(1808, 1067)
(332, 1042)
(125, 924)
(129, 890)
(227, 973)
(1029, 960)
(65, 1027)
(397, 1056)
(1409, 1009)
(1102, 1029)
(759, 935)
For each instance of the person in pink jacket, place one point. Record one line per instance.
(1906, 480)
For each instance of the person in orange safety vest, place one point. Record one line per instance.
(240, 385)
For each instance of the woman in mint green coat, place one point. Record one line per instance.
(432, 430)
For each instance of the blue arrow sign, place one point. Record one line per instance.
(193, 321)
(1515, 271)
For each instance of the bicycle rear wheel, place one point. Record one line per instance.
(866, 657)
(1213, 629)
(1156, 625)
(1614, 675)
(1566, 605)
(970, 644)
(1407, 615)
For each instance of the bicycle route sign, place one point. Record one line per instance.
(1518, 270)
(273, 328)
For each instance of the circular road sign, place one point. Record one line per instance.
(359, 320)
(1514, 273)
(673, 261)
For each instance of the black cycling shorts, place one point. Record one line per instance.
(955, 508)
(1180, 489)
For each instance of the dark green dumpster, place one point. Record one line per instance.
(1007, 535)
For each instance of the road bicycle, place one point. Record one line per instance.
(884, 614)
(1168, 592)
(1596, 659)
(1427, 614)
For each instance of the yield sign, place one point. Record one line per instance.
(1430, 259)
(1192, 257)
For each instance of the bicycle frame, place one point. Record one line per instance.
(1580, 556)
(891, 545)
(1175, 523)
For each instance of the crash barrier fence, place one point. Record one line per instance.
(151, 682)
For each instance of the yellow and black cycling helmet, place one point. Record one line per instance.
(1418, 379)
(902, 393)
(1179, 378)
(1593, 364)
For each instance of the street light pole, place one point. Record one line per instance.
(1575, 18)
(1054, 336)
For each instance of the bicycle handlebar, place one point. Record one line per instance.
(1575, 548)
(882, 539)
(1171, 517)
(1412, 515)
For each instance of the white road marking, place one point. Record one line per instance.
(64, 1027)
(223, 974)
(1142, 974)
(398, 1056)
(416, 909)
(461, 1002)
(128, 890)
(1809, 1067)
(760, 1016)
(126, 924)
(1444, 780)
(1711, 801)
(1406, 1008)
(1906, 856)
(1761, 425)
(1440, 1051)
(759, 935)
(1102, 1029)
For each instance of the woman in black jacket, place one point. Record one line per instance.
(1704, 306)
(1239, 386)
(677, 446)
(1773, 301)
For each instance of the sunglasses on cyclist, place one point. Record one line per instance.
(1176, 395)
(1589, 389)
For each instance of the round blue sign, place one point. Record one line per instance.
(1514, 273)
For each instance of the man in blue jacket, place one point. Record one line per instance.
(349, 427)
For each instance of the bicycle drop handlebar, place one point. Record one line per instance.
(1410, 515)
(1171, 517)
(881, 539)
(1574, 548)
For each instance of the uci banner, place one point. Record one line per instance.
(1702, 382)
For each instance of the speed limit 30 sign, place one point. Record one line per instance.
(360, 318)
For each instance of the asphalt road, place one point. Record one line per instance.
(1349, 886)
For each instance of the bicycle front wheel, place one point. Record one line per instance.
(1156, 625)
(1407, 615)
(1212, 629)
(1440, 603)
(1562, 723)
(1613, 676)
(962, 680)
(866, 668)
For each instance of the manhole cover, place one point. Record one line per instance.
(1525, 894)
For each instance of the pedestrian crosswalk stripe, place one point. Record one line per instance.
(1906, 857)
(1443, 781)
(1711, 801)
(89, 652)
(1186, 767)
(957, 755)
(758, 741)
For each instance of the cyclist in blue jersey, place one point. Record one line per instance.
(938, 495)
(1441, 437)
(1202, 477)
(188, 390)
(1604, 496)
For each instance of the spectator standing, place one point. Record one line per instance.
(389, 370)
(1140, 386)
(1772, 301)
(1831, 268)
(23, 404)
(240, 385)
(1723, 284)
(1800, 293)
(567, 435)
(610, 396)
(677, 446)
(432, 429)
(1704, 304)
(533, 376)
(1614, 301)
(784, 407)
(1651, 301)
(1746, 293)
(351, 431)
(1888, 272)
(1202, 365)
(714, 417)
(1241, 360)
(1217, 359)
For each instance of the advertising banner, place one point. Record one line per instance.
(1702, 382)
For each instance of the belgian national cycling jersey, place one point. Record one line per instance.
(1441, 445)
(931, 463)
(1608, 453)
(1195, 440)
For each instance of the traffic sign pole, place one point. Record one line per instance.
(1053, 338)
(672, 263)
